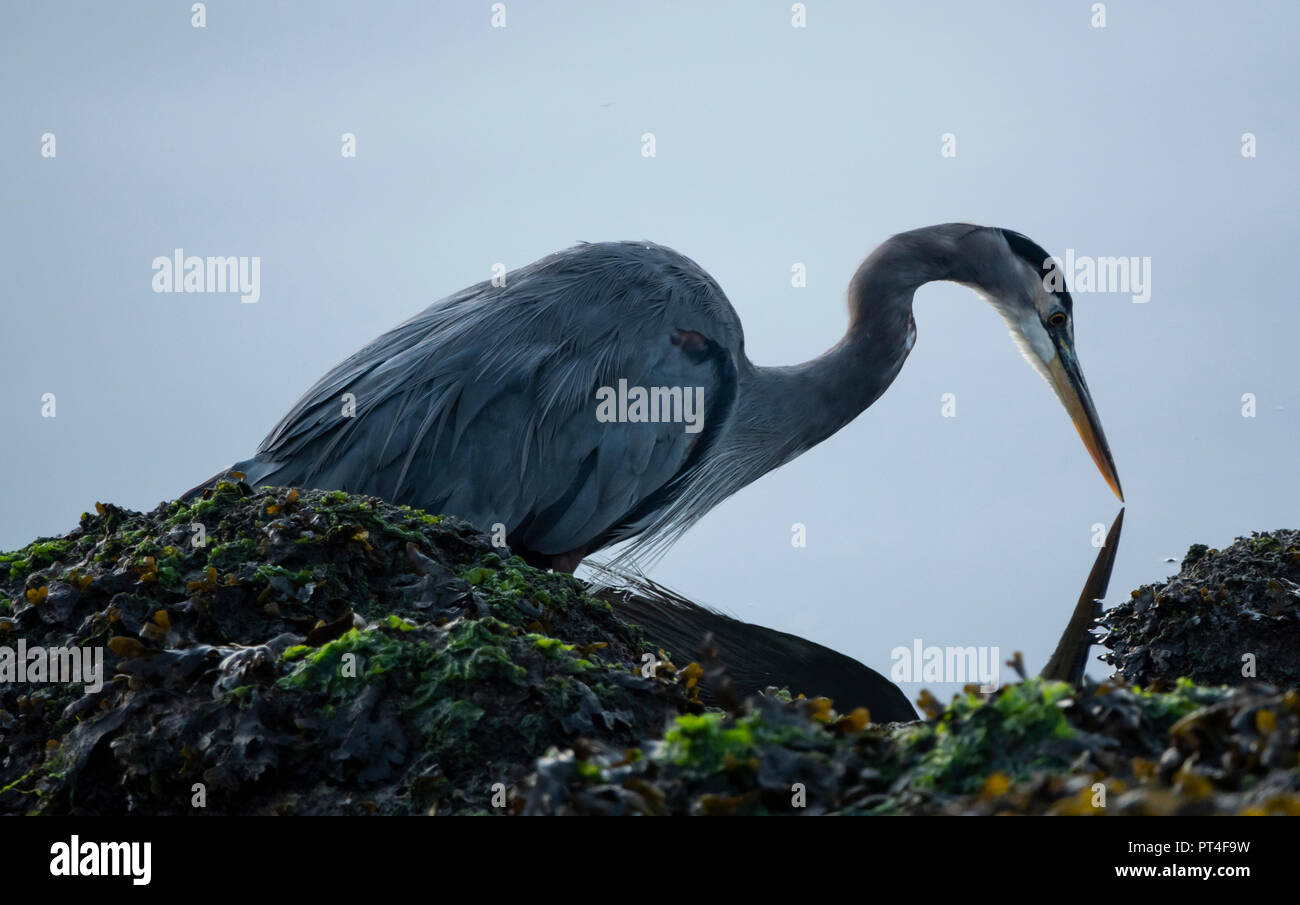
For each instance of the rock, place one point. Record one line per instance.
(328, 653)
(1229, 617)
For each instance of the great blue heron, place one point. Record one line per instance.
(487, 404)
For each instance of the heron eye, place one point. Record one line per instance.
(1057, 319)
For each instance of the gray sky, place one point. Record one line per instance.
(775, 145)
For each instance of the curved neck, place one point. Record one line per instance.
(785, 411)
(782, 412)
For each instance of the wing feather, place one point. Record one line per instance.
(483, 405)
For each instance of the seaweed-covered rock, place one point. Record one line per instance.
(1032, 748)
(301, 652)
(1229, 617)
(278, 651)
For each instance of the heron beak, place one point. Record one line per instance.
(1067, 380)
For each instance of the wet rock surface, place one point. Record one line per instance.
(1229, 617)
(274, 651)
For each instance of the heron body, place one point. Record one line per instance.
(484, 405)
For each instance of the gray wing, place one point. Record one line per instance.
(484, 405)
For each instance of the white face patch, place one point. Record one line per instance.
(1025, 318)
(1028, 334)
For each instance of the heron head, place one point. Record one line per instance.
(1024, 283)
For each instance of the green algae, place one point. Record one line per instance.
(1165, 708)
(975, 736)
(325, 652)
(703, 742)
(36, 555)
